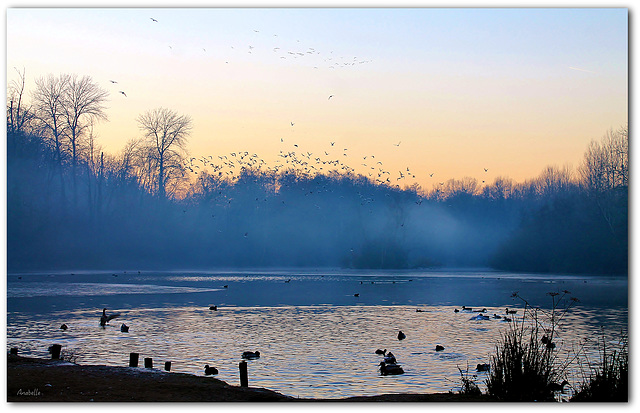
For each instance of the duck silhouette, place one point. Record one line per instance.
(104, 319)
(63, 327)
(381, 352)
(483, 367)
(439, 347)
(251, 355)
(389, 358)
(558, 387)
(213, 308)
(401, 335)
(389, 369)
(209, 370)
(124, 328)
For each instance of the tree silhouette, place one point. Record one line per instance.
(165, 133)
(82, 103)
(18, 117)
(47, 99)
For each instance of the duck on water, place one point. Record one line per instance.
(390, 369)
(104, 319)
(251, 355)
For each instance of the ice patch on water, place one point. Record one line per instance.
(37, 289)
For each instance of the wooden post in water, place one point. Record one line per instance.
(133, 359)
(148, 362)
(167, 365)
(244, 376)
(14, 351)
(55, 351)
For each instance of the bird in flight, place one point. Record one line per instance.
(125, 95)
(486, 170)
(333, 143)
(153, 19)
(330, 96)
(431, 175)
(292, 123)
(397, 144)
(113, 81)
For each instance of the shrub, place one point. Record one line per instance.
(610, 381)
(525, 366)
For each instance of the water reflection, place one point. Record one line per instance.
(307, 349)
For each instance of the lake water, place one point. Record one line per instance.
(316, 338)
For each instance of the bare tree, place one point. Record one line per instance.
(606, 162)
(605, 174)
(165, 133)
(82, 103)
(18, 117)
(48, 101)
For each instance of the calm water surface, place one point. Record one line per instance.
(316, 338)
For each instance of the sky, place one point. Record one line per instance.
(448, 92)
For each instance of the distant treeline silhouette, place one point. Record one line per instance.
(70, 205)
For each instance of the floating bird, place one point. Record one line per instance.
(251, 355)
(510, 311)
(497, 316)
(480, 317)
(63, 327)
(125, 95)
(356, 295)
(558, 387)
(381, 352)
(401, 335)
(483, 367)
(387, 369)
(225, 286)
(439, 347)
(466, 308)
(104, 319)
(124, 328)
(213, 308)
(456, 310)
(390, 358)
(209, 370)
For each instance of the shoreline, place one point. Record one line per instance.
(44, 380)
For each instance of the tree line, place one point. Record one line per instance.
(71, 205)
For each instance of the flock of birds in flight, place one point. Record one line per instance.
(231, 168)
(332, 62)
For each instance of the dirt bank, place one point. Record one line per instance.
(42, 380)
